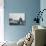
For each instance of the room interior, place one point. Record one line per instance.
(28, 34)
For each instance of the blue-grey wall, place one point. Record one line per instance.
(43, 6)
(29, 7)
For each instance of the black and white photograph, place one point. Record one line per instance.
(17, 19)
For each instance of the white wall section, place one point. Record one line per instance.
(1, 20)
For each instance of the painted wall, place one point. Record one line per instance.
(1, 21)
(43, 6)
(29, 7)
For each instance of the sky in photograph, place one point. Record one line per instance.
(16, 16)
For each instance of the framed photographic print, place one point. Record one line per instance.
(16, 18)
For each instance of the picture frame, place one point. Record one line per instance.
(17, 19)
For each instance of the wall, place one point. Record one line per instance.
(43, 6)
(1, 21)
(29, 7)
